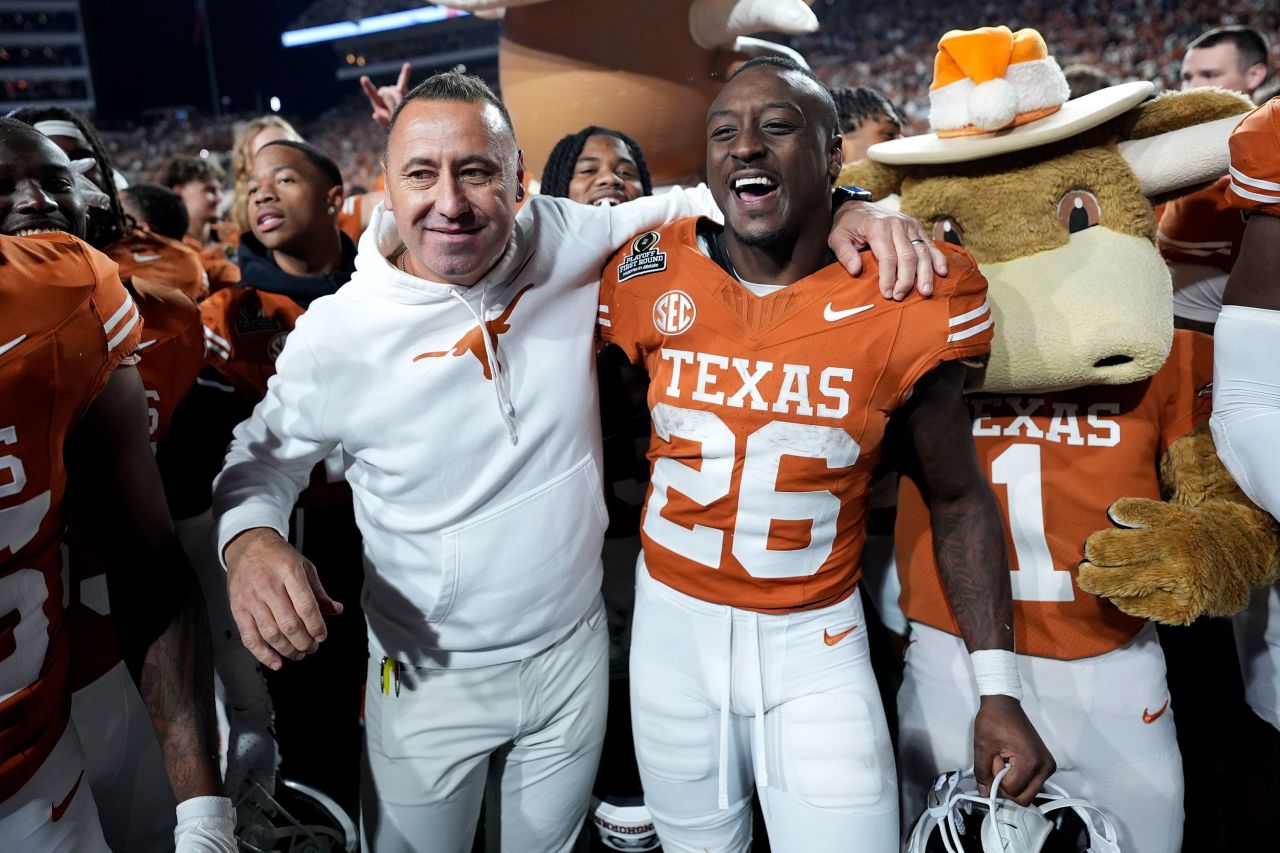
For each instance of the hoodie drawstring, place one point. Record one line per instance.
(500, 387)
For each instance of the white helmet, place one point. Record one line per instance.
(957, 819)
(624, 823)
(296, 819)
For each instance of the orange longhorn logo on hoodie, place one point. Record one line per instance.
(472, 342)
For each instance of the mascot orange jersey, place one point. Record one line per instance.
(144, 256)
(172, 355)
(1057, 461)
(769, 412)
(66, 322)
(1255, 161)
(244, 332)
(1201, 228)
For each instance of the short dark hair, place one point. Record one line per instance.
(183, 170)
(102, 230)
(782, 62)
(452, 86)
(161, 207)
(558, 172)
(854, 106)
(1085, 80)
(315, 156)
(1251, 45)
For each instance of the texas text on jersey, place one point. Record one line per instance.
(171, 356)
(65, 323)
(1057, 461)
(769, 412)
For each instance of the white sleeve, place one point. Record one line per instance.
(273, 452)
(636, 217)
(1246, 400)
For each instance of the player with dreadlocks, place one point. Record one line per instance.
(866, 117)
(596, 165)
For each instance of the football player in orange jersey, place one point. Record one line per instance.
(773, 377)
(73, 330)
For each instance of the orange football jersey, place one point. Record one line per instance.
(1201, 228)
(144, 256)
(1254, 184)
(222, 273)
(1056, 462)
(172, 355)
(66, 322)
(769, 412)
(351, 217)
(244, 332)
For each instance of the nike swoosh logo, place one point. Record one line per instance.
(1149, 718)
(831, 315)
(146, 259)
(59, 809)
(13, 343)
(831, 639)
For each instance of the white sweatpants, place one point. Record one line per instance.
(529, 731)
(126, 771)
(722, 698)
(1257, 630)
(1105, 719)
(54, 812)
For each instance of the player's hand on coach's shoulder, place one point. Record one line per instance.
(907, 255)
(276, 597)
(1002, 733)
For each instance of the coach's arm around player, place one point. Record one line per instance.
(969, 547)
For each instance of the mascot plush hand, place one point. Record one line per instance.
(1105, 406)
(649, 68)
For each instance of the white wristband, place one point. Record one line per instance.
(996, 672)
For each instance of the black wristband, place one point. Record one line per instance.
(840, 195)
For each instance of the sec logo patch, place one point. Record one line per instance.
(674, 312)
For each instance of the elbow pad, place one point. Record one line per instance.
(1246, 401)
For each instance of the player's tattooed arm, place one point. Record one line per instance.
(156, 604)
(968, 535)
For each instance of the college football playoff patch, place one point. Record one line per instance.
(644, 257)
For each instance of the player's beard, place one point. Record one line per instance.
(759, 239)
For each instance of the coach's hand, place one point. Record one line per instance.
(1003, 734)
(276, 597)
(907, 255)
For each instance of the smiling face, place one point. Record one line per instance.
(290, 199)
(605, 172)
(452, 173)
(771, 154)
(37, 187)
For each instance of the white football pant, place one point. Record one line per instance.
(125, 768)
(54, 812)
(1106, 720)
(725, 700)
(1257, 630)
(529, 732)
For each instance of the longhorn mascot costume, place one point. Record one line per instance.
(1090, 418)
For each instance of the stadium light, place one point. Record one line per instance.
(274, 103)
(374, 24)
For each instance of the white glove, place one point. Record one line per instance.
(206, 825)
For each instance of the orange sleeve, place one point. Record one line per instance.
(1184, 386)
(115, 309)
(214, 312)
(618, 321)
(1255, 161)
(955, 323)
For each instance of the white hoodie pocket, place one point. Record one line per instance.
(516, 571)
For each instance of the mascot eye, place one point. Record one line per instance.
(948, 230)
(1078, 210)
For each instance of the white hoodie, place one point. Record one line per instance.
(479, 500)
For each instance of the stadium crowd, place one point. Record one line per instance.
(384, 701)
